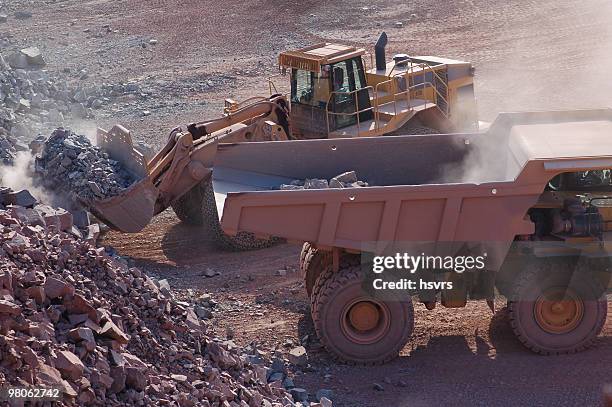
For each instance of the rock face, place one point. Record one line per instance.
(71, 163)
(75, 317)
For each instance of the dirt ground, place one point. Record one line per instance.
(547, 54)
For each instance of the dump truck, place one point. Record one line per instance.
(339, 91)
(533, 195)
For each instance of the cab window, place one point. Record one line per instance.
(302, 85)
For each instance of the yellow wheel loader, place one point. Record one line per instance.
(336, 91)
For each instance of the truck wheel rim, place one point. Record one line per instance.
(365, 321)
(559, 310)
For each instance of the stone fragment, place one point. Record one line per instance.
(23, 14)
(69, 365)
(316, 184)
(325, 402)
(84, 336)
(55, 288)
(347, 177)
(37, 293)
(33, 56)
(299, 394)
(324, 393)
(298, 356)
(136, 378)
(9, 308)
(20, 198)
(110, 330)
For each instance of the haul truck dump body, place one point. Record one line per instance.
(461, 187)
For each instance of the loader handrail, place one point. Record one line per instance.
(392, 81)
(357, 110)
(425, 67)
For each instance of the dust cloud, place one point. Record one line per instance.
(551, 55)
(486, 160)
(20, 176)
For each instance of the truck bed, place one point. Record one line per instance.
(457, 187)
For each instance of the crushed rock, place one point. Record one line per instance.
(76, 317)
(345, 180)
(70, 162)
(8, 152)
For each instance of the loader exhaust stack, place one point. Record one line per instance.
(379, 50)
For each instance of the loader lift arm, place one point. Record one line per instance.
(186, 159)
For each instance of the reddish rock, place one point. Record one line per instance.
(6, 281)
(86, 397)
(116, 358)
(133, 361)
(76, 319)
(84, 336)
(221, 356)
(136, 378)
(110, 330)
(92, 325)
(29, 356)
(120, 377)
(67, 389)
(55, 288)
(37, 293)
(9, 307)
(69, 365)
(47, 375)
(79, 305)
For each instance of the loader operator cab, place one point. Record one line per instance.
(334, 95)
(328, 89)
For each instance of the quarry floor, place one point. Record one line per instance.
(529, 55)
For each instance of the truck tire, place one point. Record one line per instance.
(549, 326)
(198, 207)
(312, 263)
(354, 327)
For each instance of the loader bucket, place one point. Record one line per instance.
(134, 208)
(130, 211)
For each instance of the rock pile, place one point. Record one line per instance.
(8, 152)
(344, 180)
(69, 162)
(76, 222)
(74, 317)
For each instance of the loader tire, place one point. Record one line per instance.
(198, 207)
(313, 262)
(354, 327)
(556, 311)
